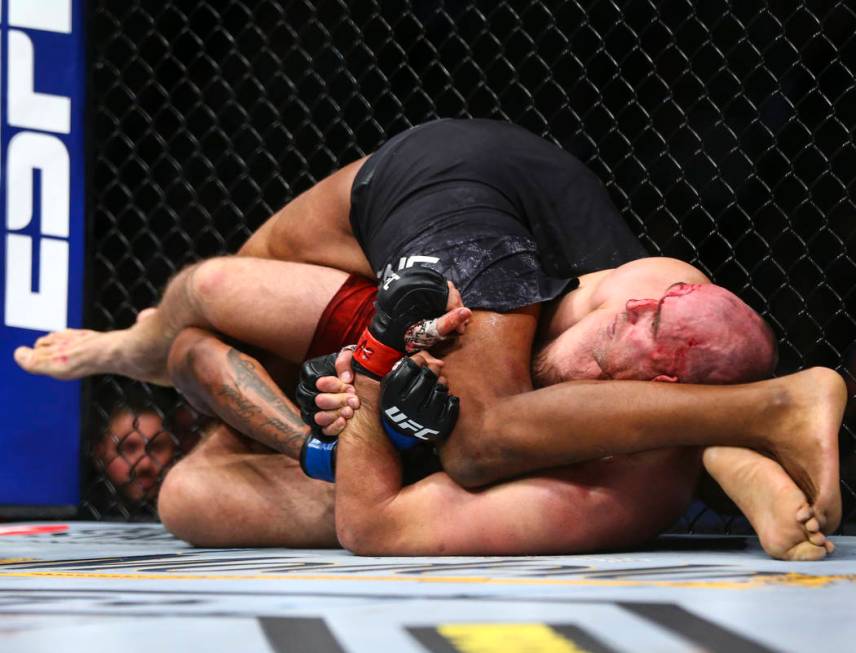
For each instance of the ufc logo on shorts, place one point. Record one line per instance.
(388, 275)
(404, 423)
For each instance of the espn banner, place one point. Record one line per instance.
(42, 89)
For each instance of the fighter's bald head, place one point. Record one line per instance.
(693, 333)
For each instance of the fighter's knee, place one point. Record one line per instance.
(176, 507)
(207, 279)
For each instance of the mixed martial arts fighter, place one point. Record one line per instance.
(621, 502)
(795, 419)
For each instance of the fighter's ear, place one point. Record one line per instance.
(666, 378)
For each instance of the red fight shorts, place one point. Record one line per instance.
(346, 316)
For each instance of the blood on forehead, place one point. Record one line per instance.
(680, 288)
(705, 332)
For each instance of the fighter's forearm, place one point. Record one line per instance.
(368, 481)
(257, 407)
(237, 389)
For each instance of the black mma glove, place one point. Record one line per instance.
(415, 407)
(405, 298)
(318, 454)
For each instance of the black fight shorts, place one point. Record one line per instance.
(510, 218)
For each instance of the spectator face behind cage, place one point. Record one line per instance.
(135, 452)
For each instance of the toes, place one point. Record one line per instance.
(23, 357)
(805, 513)
(806, 551)
(812, 525)
(55, 337)
(818, 539)
(44, 341)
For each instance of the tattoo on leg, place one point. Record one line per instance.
(260, 407)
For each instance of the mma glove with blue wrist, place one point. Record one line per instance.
(415, 407)
(318, 454)
(403, 299)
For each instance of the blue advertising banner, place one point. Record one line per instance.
(42, 86)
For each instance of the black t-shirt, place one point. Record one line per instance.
(509, 217)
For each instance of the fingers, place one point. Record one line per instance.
(333, 385)
(457, 315)
(343, 365)
(335, 401)
(424, 359)
(454, 321)
(335, 428)
(455, 300)
(430, 374)
(333, 422)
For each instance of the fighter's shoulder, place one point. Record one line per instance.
(643, 278)
(610, 289)
(565, 312)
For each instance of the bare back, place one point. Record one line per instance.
(315, 228)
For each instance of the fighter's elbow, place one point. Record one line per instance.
(358, 533)
(468, 466)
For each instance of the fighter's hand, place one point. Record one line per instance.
(403, 299)
(324, 392)
(415, 405)
(331, 372)
(336, 399)
(336, 402)
(428, 333)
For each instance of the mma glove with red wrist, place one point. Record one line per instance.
(402, 300)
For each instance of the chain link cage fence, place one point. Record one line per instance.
(723, 131)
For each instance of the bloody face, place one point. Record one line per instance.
(694, 333)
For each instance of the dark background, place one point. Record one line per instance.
(723, 131)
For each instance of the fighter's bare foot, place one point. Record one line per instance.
(805, 440)
(77, 353)
(771, 501)
(65, 355)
